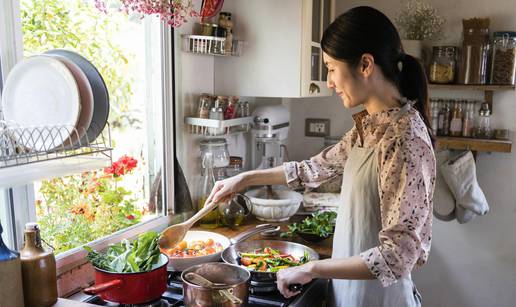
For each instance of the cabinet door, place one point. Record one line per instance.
(317, 15)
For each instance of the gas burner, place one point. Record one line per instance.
(165, 302)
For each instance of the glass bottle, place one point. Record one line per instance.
(434, 107)
(231, 109)
(446, 119)
(503, 67)
(484, 122)
(456, 120)
(467, 125)
(217, 113)
(440, 117)
(212, 219)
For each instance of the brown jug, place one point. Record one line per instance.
(38, 270)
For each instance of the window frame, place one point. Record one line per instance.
(21, 201)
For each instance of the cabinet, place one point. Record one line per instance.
(282, 56)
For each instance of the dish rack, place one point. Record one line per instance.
(210, 45)
(214, 127)
(32, 153)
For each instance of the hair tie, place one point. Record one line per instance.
(401, 57)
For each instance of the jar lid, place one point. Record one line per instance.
(213, 142)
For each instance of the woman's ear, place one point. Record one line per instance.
(366, 65)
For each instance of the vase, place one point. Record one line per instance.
(412, 47)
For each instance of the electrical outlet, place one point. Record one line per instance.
(317, 127)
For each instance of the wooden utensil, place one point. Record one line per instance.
(201, 281)
(172, 235)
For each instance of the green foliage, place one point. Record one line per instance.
(140, 256)
(77, 25)
(321, 224)
(78, 209)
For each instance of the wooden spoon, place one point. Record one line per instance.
(174, 234)
(201, 281)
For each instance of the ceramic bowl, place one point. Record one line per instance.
(274, 210)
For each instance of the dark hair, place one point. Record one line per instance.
(364, 29)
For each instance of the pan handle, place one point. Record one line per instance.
(251, 232)
(99, 288)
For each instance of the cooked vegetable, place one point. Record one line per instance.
(138, 256)
(270, 260)
(321, 224)
(194, 249)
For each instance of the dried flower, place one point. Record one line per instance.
(173, 12)
(419, 21)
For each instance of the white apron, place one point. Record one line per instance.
(357, 227)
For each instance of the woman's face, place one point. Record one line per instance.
(347, 82)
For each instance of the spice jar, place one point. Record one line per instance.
(442, 67)
(475, 51)
(503, 66)
(226, 23)
(456, 120)
(205, 103)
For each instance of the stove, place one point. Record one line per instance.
(260, 295)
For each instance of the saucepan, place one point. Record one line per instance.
(225, 277)
(180, 264)
(131, 288)
(232, 253)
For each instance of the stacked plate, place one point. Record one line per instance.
(59, 99)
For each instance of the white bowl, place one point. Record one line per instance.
(274, 210)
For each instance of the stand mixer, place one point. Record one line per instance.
(270, 132)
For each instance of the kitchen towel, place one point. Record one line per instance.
(444, 203)
(460, 175)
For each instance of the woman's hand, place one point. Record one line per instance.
(294, 275)
(225, 189)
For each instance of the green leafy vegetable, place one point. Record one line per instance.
(139, 256)
(320, 223)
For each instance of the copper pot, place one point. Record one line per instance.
(226, 277)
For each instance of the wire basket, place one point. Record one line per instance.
(210, 45)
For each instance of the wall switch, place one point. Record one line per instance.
(317, 127)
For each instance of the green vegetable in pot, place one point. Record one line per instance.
(139, 256)
(321, 224)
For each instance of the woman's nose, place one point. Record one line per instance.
(330, 84)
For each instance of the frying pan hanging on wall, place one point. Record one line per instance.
(210, 8)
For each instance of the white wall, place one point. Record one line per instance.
(472, 264)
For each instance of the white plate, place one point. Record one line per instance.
(86, 95)
(41, 92)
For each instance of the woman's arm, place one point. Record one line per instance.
(226, 188)
(346, 268)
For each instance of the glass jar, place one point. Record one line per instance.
(475, 51)
(456, 120)
(442, 67)
(212, 219)
(218, 148)
(503, 67)
(483, 129)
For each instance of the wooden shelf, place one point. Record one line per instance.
(485, 145)
(471, 87)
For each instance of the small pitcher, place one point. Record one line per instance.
(234, 211)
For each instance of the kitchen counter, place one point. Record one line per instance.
(324, 248)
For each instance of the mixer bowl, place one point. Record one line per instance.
(274, 210)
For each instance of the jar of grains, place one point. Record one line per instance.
(442, 67)
(503, 67)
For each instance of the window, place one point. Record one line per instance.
(128, 52)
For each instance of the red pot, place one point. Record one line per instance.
(131, 288)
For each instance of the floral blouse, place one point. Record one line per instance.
(406, 179)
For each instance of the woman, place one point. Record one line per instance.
(383, 227)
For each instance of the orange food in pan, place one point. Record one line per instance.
(194, 249)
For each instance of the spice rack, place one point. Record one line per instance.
(210, 45)
(214, 127)
(33, 153)
(475, 145)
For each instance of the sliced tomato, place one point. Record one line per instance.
(246, 261)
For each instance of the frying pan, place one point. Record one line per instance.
(231, 254)
(180, 264)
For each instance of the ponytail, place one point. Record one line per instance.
(412, 84)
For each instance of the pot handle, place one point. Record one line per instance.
(251, 232)
(99, 288)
